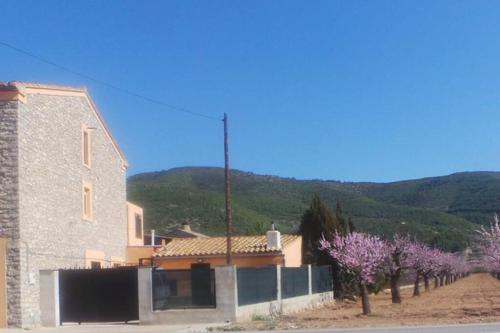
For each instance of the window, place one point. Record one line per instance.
(95, 265)
(117, 262)
(138, 226)
(94, 259)
(87, 201)
(86, 146)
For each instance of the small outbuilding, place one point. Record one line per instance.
(247, 251)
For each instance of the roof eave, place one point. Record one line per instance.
(220, 255)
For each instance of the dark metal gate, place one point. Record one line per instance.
(98, 295)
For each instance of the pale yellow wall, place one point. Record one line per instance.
(240, 261)
(3, 295)
(293, 253)
(92, 255)
(134, 253)
(117, 261)
(131, 211)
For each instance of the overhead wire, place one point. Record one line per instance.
(107, 84)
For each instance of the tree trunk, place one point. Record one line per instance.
(426, 283)
(441, 280)
(436, 282)
(416, 289)
(339, 289)
(396, 295)
(364, 298)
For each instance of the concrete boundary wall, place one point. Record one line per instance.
(227, 308)
(284, 305)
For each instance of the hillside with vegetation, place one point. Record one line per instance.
(440, 210)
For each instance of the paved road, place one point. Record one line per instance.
(473, 328)
(119, 328)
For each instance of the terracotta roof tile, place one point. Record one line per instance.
(217, 246)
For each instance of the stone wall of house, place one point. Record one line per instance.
(54, 234)
(9, 208)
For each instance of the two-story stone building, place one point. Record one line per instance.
(62, 193)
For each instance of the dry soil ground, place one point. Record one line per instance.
(474, 299)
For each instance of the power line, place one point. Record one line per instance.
(109, 85)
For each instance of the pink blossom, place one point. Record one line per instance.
(396, 254)
(356, 252)
(489, 245)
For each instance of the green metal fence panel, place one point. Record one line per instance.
(294, 281)
(322, 279)
(257, 285)
(182, 289)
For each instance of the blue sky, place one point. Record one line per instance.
(346, 90)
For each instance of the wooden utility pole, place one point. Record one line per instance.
(227, 176)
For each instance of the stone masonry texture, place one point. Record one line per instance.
(9, 207)
(51, 232)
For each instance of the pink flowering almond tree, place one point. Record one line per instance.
(460, 267)
(360, 254)
(424, 261)
(443, 269)
(396, 260)
(431, 265)
(489, 244)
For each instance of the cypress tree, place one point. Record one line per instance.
(342, 226)
(352, 228)
(318, 220)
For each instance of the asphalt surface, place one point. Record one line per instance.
(472, 328)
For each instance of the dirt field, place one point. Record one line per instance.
(474, 299)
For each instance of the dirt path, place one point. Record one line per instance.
(474, 299)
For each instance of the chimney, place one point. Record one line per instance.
(186, 227)
(273, 238)
(153, 238)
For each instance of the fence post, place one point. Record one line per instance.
(278, 283)
(49, 298)
(226, 292)
(145, 291)
(309, 278)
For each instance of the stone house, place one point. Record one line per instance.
(62, 193)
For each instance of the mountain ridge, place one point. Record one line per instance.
(183, 168)
(443, 210)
